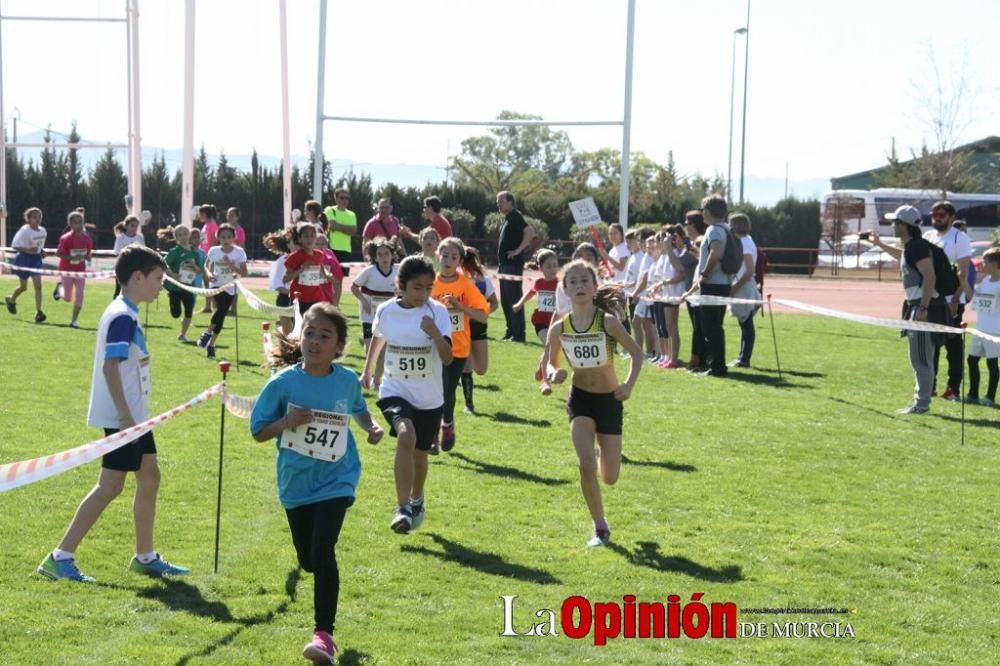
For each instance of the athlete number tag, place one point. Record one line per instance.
(984, 303)
(224, 273)
(408, 362)
(457, 318)
(377, 301)
(546, 301)
(310, 276)
(77, 255)
(186, 275)
(325, 438)
(144, 379)
(589, 350)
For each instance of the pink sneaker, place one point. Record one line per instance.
(671, 364)
(321, 650)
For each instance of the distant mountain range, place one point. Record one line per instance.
(760, 190)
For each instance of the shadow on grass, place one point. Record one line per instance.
(178, 595)
(492, 388)
(507, 417)
(792, 373)
(663, 464)
(648, 555)
(504, 471)
(837, 334)
(872, 410)
(984, 423)
(483, 562)
(765, 380)
(55, 325)
(353, 658)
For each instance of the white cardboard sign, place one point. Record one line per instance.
(585, 212)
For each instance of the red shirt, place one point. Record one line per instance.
(441, 225)
(545, 292)
(308, 286)
(78, 247)
(378, 227)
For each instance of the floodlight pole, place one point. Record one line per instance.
(623, 195)
(320, 92)
(135, 135)
(187, 189)
(286, 158)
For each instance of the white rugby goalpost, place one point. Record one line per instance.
(133, 200)
(625, 122)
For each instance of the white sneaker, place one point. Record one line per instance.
(402, 522)
(74, 324)
(418, 514)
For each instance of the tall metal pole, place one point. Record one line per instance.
(732, 104)
(3, 159)
(187, 191)
(623, 197)
(286, 157)
(746, 69)
(135, 160)
(320, 92)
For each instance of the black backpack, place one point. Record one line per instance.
(946, 278)
(732, 255)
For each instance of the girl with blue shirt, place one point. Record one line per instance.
(306, 409)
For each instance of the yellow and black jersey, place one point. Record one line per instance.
(590, 348)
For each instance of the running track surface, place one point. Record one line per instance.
(875, 298)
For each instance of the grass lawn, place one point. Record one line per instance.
(807, 493)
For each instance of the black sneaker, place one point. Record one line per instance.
(55, 292)
(40, 317)
(470, 408)
(204, 338)
(210, 351)
(402, 522)
(11, 305)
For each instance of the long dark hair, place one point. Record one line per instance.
(609, 297)
(286, 350)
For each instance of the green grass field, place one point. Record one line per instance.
(807, 493)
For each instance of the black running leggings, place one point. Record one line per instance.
(315, 530)
(452, 376)
(178, 299)
(994, 377)
(223, 302)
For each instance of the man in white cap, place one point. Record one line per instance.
(916, 263)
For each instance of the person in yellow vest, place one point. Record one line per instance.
(343, 224)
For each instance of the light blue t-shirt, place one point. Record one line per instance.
(301, 479)
(717, 233)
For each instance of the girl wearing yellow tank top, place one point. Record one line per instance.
(587, 335)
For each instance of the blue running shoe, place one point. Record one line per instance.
(62, 570)
(158, 568)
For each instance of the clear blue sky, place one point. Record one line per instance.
(830, 83)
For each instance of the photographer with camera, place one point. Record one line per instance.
(923, 303)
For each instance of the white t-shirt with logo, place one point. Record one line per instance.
(413, 368)
(119, 336)
(123, 240)
(373, 279)
(955, 244)
(632, 269)
(224, 274)
(986, 302)
(28, 237)
(617, 253)
(749, 247)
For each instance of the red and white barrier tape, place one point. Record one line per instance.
(257, 304)
(909, 325)
(90, 275)
(239, 405)
(17, 474)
